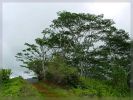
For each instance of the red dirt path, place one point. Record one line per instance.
(44, 90)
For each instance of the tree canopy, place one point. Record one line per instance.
(88, 42)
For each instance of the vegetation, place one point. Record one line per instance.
(82, 51)
(93, 87)
(60, 73)
(17, 87)
(4, 75)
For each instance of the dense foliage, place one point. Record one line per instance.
(94, 87)
(88, 44)
(60, 73)
(5, 75)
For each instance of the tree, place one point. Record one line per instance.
(88, 42)
(76, 35)
(34, 57)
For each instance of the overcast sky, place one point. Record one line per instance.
(23, 22)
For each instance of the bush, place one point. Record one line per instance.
(5, 74)
(119, 80)
(91, 88)
(119, 76)
(100, 88)
(71, 80)
(60, 73)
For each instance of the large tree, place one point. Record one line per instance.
(89, 42)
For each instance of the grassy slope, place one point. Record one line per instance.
(94, 88)
(19, 88)
(54, 92)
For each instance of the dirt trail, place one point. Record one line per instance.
(44, 90)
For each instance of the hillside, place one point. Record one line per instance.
(19, 88)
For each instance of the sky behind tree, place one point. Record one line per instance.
(23, 22)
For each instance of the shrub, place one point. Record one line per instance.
(100, 88)
(71, 78)
(119, 80)
(119, 76)
(60, 73)
(93, 87)
(5, 74)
